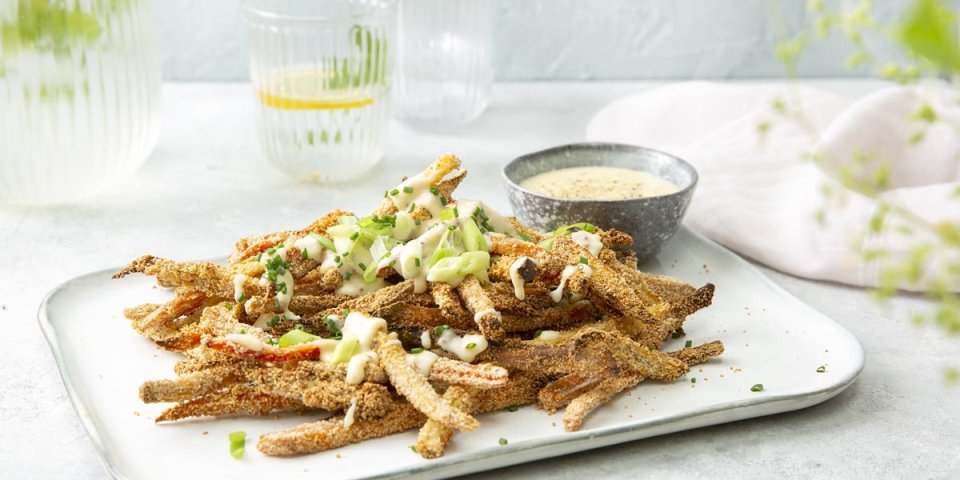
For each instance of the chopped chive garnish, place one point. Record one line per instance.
(443, 202)
(417, 222)
(435, 191)
(537, 333)
(408, 189)
(242, 298)
(362, 266)
(693, 380)
(453, 227)
(394, 192)
(413, 448)
(471, 346)
(336, 258)
(513, 408)
(304, 254)
(385, 193)
(676, 335)
(821, 369)
(276, 303)
(757, 388)
(355, 235)
(416, 350)
(412, 207)
(584, 260)
(274, 321)
(347, 275)
(259, 256)
(243, 331)
(416, 261)
(439, 330)
(228, 306)
(503, 441)
(456, 213)
(688, 344)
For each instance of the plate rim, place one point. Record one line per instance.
(573, 441)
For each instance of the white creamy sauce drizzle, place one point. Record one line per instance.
(419, 193)
(238, 280)
(365, 330)
(357, 367)
(263, 320)
(422, 361)
(286, 279)
(246, 341)
(425, 339)
(517, 279)
(311, 245)
(356, 286)
(568, 271)
(587, 240)
(457, 345)
(348, 418)
(557, 293)
(327, 347)
(548, 336)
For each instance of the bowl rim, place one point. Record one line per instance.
(695, 175)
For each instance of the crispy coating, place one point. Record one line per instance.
(451, 309)
(236, 400)
(434, 436)
(332, 433)
(414, 387)
(462, 373)
(485, 314)
(583, 405)
(188, 386)
(611, 324)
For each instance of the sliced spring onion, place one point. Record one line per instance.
(448, 214)
(342, 231)
(237, 442)
(296, 337)
(345, 349)
(564, 230)
(324, 242)
(370, 273)
(473, 239)
(381, 247)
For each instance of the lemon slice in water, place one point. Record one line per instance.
(309, 89)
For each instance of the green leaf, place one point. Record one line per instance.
(929, 31)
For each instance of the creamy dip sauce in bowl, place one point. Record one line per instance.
(637, 190)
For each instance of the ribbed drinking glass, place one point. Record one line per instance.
(79, 96)
(321, 74)
(445, 61)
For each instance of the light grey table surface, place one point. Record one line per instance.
(206, 184)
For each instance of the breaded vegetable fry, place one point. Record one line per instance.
(368, 319)
(434, 436)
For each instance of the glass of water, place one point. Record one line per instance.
(79, 97)
(445, 64)
(321, 74)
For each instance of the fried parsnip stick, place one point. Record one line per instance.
(250, 247)
(159, 323)
(699, 354)
(583, 405)
(187, 386)
(485, 315)
(140, 311)
(434, 436)
(552, 318)
(414, 387)
(450, 307)
(331, 433)
(462, 373)
(434, 174)
(237, 400)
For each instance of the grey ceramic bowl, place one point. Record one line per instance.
(651, 221)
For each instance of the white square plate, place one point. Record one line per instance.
(771, 338)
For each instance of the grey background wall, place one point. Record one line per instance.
(561, 39)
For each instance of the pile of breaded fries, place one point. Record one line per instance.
(422, 314)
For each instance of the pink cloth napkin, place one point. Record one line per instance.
(761, 198)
